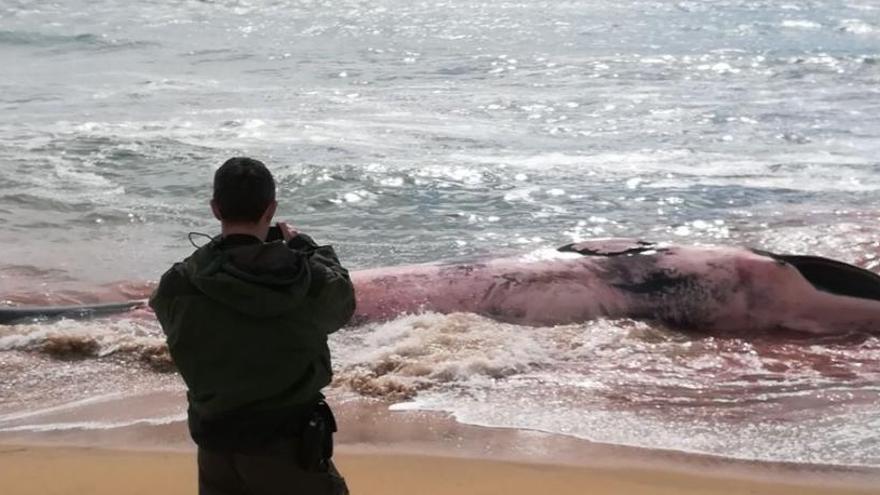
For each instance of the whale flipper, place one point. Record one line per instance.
(13, 314)
(832, 276)
(612, 246)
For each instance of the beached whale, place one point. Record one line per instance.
(716, 290)
(710, 289)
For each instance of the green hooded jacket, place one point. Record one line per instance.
(247, 323)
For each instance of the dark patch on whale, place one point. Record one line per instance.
(609, 247)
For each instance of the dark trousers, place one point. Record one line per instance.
(271, 472)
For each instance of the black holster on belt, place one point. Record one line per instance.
(316, 439)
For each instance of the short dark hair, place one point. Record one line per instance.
(243, 189)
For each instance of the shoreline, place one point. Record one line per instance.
(30, 470)
(371, 435)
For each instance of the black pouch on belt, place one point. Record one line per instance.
(316, 440)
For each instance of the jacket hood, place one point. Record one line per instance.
(259, 279)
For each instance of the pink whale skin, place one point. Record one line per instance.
(723, 290)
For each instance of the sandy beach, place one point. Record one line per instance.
(386, 452)
(28, 470)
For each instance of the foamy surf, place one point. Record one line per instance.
(618, 382)
(627, 383)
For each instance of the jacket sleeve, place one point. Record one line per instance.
(162, 299)
(331, 287)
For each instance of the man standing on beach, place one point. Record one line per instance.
(246, 318)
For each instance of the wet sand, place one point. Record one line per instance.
(31, 470)
(387, 452)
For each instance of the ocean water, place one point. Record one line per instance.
(407, 132)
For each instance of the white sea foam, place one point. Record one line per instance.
(411, 353)
(800, 24)
(546, 254)
(94, 425)
(757, 440)
(858, 26)
(98, 338)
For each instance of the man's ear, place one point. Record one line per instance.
(216, 210)
(270, 212)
